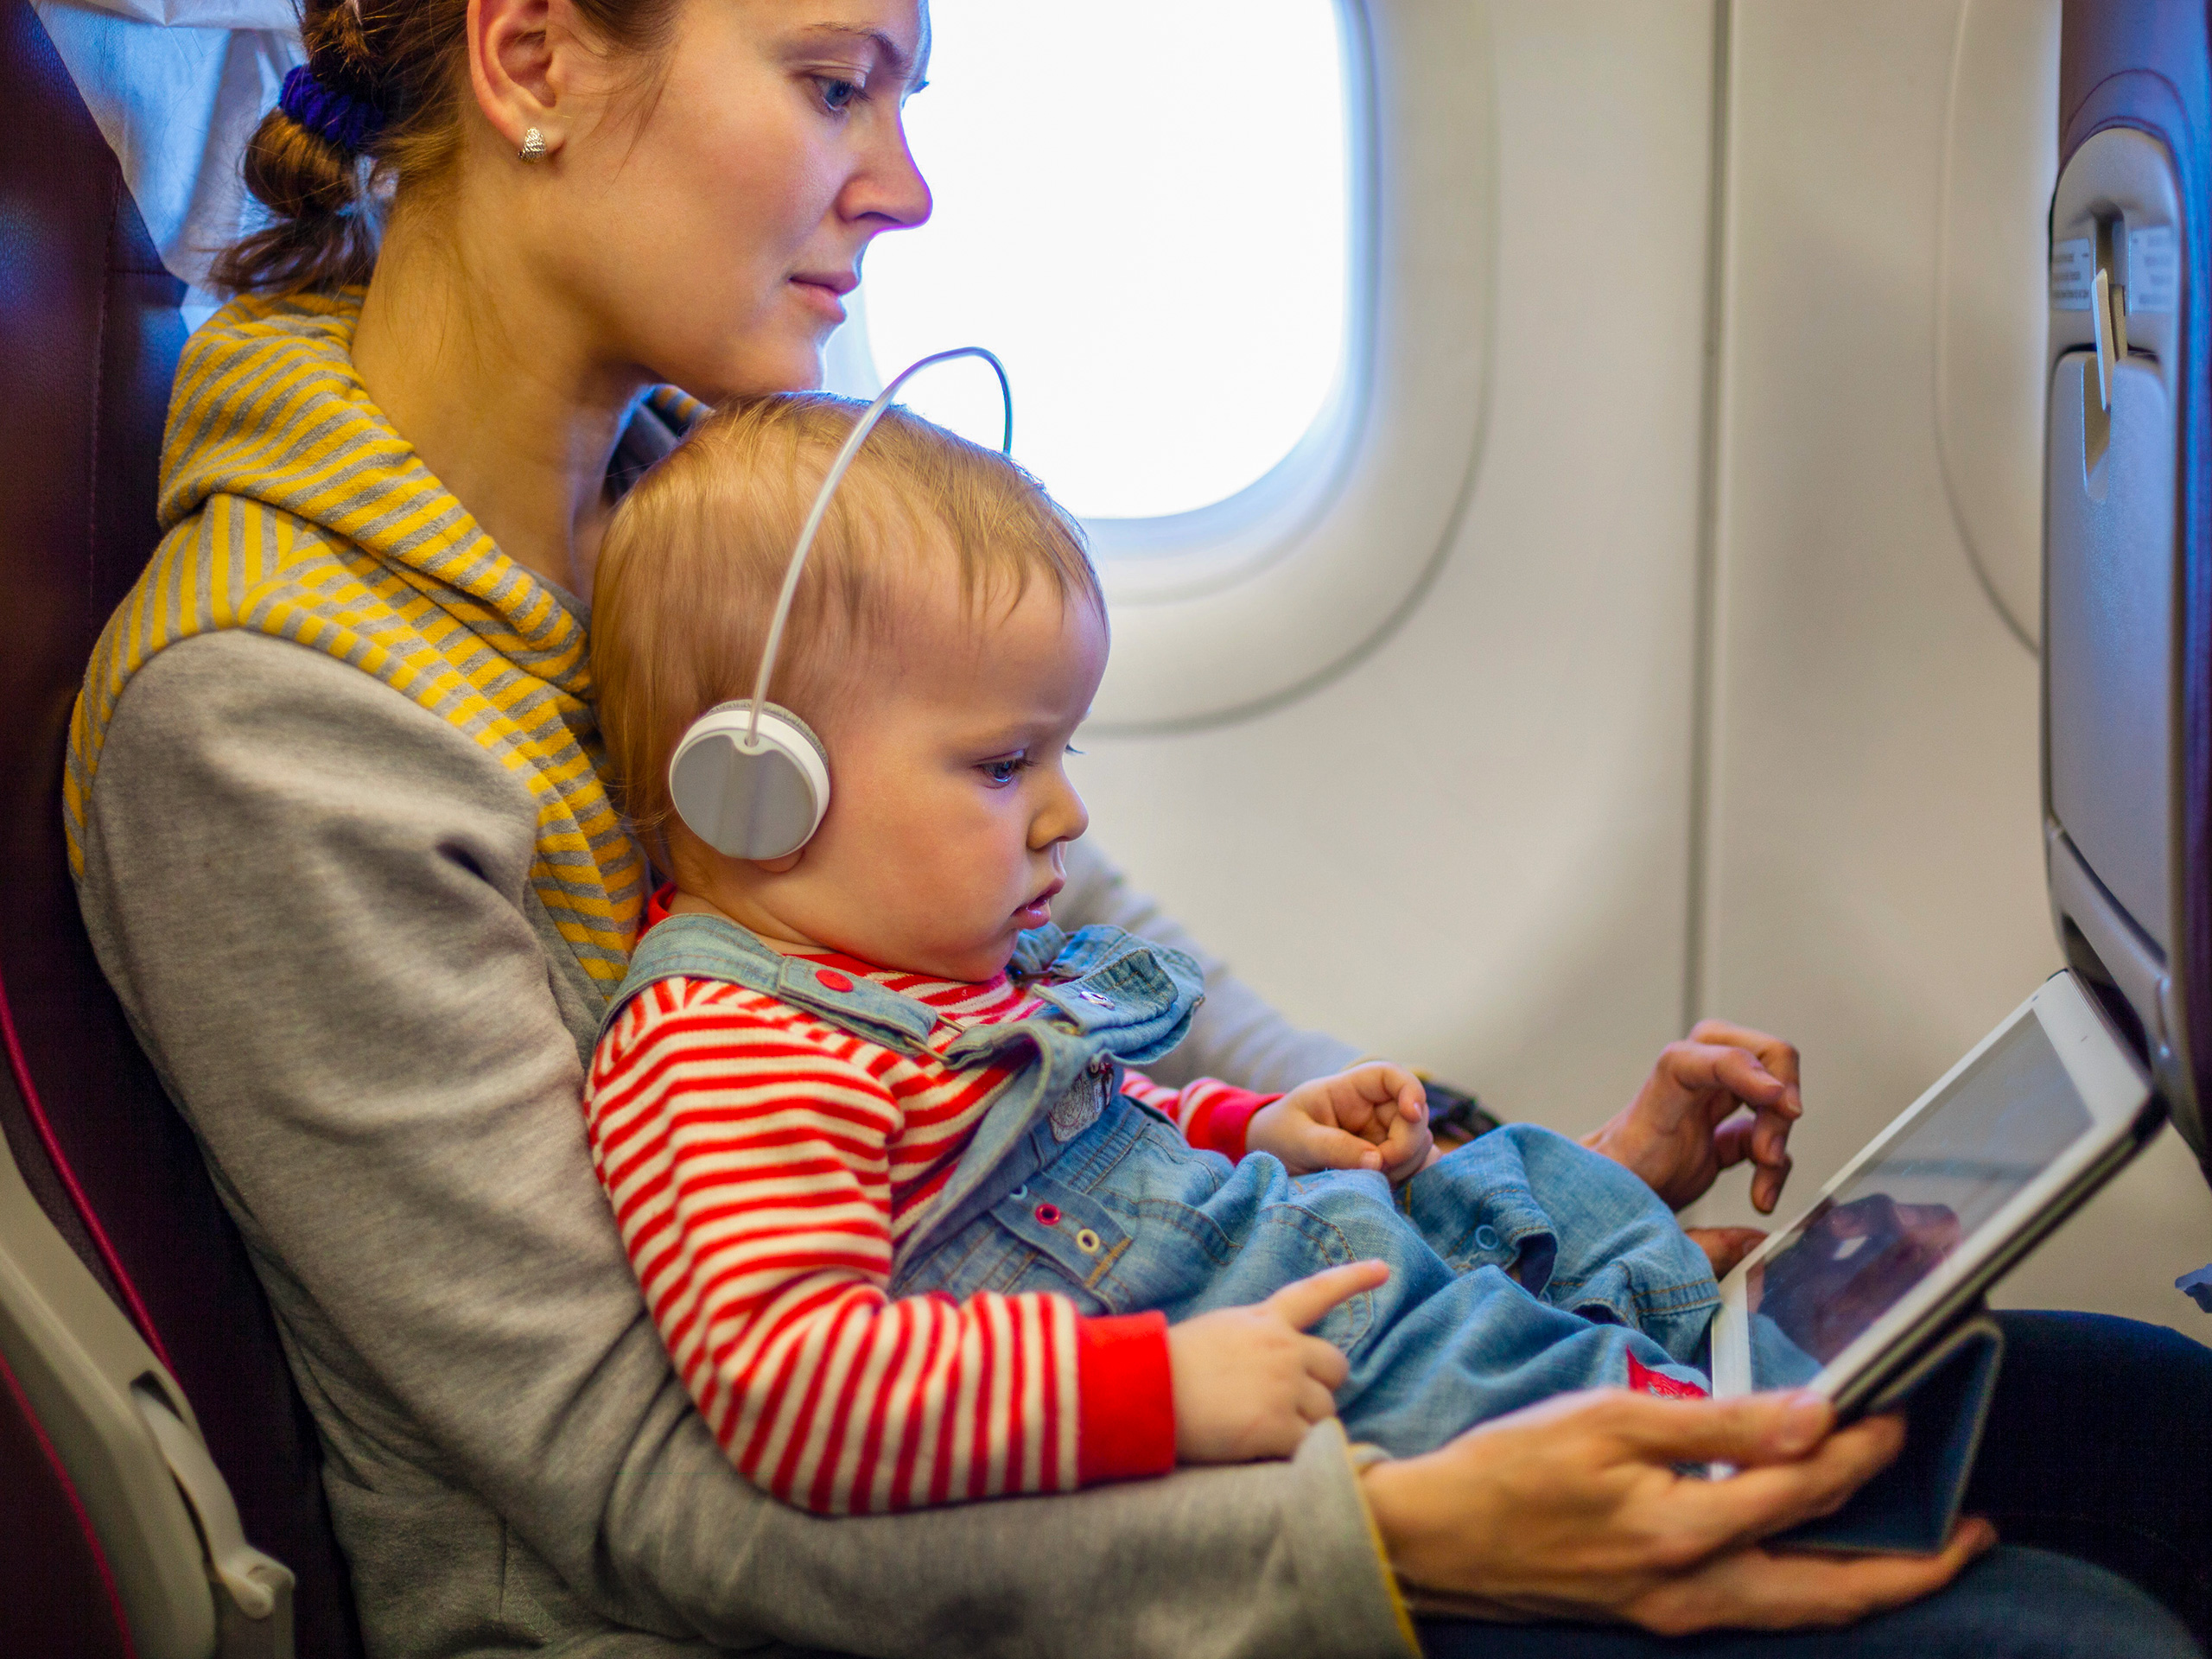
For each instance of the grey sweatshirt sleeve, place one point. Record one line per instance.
(1237, 1036)
(314, 899)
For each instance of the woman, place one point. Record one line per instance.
(344, 857)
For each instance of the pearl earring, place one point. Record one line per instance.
(533, 145)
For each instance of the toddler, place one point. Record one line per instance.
(912, 1227)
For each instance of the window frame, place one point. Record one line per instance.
(1233, 608)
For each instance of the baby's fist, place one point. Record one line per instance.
(1373, 1116)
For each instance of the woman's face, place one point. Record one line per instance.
(719, 211)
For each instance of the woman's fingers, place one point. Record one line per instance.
(1303, 1301)
(1724, 1246)
(1767, 1185)
(1757, 1502)
(1762, 1589)
(1765, 1140)
(1748, 1430)
(1776, 1055)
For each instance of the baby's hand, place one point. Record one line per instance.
(1685, 1125)
(1373, 1116)
(1248, 1382)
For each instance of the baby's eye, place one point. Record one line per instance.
(836, 94)
(1004, 769)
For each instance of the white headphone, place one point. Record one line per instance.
(750, 778)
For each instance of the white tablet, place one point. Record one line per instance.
(2045, 1109)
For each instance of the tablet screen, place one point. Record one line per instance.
(1857, 1252)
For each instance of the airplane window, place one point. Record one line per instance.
(1143, 209)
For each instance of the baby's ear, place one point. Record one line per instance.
(782, 866)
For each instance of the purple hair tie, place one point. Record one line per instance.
(350, 122)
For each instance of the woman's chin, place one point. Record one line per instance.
(791, 362)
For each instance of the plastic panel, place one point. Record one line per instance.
(2115, 766)
(2110, 632)
(76, 1357)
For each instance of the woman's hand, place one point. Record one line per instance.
(1572, 1509)
(1681, 1129)
(1249, 1383)
(1373, 1116)
(1724, 1246)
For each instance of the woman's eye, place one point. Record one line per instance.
(837, 95)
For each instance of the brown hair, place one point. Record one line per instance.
(695, 556)
(406, 60)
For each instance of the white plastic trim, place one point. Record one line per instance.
(1246, 604)
(254, 1581)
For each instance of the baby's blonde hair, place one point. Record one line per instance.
(693, 559)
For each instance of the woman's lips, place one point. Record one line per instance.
(825, 293)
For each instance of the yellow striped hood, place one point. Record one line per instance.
(290, 505)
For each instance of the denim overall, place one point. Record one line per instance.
(1523, 1265)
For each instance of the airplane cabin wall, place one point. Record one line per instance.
(1469, 849)
(1707, 710)
(1873, 877)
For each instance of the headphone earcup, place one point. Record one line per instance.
(754, 800)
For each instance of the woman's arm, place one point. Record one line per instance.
(314, 899)
(1236, 1035)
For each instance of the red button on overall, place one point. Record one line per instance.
(833, 979)
(1049, 1214)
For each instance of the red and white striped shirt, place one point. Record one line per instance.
(763, 1165)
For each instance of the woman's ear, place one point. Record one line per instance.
(523, 59)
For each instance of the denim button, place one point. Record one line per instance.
(1486, 1237)
(1048, 1214)
(1095, 1000)
(1086, 1240)
(1020, 1193)
(832, 980)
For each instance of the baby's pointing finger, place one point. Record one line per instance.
(1303, 1301)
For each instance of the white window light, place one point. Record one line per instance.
(1142, 208)
(1271, 462)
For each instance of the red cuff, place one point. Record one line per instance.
(1220, 1122)
(1125, 1398)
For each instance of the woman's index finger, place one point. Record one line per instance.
(1777, 1054)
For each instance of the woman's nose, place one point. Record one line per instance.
(888, 186)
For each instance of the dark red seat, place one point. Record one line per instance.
(89, 336)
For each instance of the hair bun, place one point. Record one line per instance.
(337, 116)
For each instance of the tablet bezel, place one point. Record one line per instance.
(2115, 1091)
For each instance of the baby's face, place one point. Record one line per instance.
(949, 802)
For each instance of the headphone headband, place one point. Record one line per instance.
(749, 778)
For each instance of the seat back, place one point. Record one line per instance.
(2128, 556)
(89, 337)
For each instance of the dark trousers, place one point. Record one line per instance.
(2099, 1450)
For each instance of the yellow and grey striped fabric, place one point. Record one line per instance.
(291, 507)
